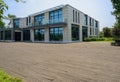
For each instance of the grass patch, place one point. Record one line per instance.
(5, 77)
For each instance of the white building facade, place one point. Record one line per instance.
(63, 23)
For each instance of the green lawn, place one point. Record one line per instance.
(4, 77)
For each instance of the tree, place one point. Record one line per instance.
(101, 34)
(116, 32)
(3, 8)
(9, 17)
(107, 32)
(116, 12)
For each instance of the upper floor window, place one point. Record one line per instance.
(96, 23)
(16, 23)
(78, 17)
(39, 20)
(90, 21)
(29, 19)
(26, 20)
(73, 15)
(85, 20)
(56, 16)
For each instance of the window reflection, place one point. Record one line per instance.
(39, 34)
(39, 20)
(56, 34)
(56, 16)
(16, 23)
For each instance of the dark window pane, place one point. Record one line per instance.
(39, 34)
(16, 23)
(56, 16)
(75, 32)
(1, 34)
(85, 20)
(26, 35)
(56, 34)
(8, 35)
(39, 20)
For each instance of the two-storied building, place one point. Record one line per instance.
(63, 23)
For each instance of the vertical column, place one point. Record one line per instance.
(67, 37)
(32, 35)
(21, 35)
(12, 35)
(80, 33)
(67, 17)
(11, 21)
(32, 20)
(88, 26)
(46, 21)
(81, 26)
(46, 36)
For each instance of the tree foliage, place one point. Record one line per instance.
(116, 12)
(116, 32)
(10, 16)
(107, 32)
(3, 8)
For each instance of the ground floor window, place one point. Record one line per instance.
(75, 32)
(1, 35)
(26, 35)
(84, 32)
(56, 34)
(8, 35)
(39, 34)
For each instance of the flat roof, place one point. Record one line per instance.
(47, 10)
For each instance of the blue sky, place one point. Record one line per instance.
(98, 9)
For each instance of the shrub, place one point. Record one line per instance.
(98, 39)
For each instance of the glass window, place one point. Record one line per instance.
(84, 32)
(39, 20)
(96, 23)
(1, 34)
(56, 16)
(90, 21)
(39, 34)
(16, 23)
(26, 35)
(75, 32)
(56, 34)
(8, 35)
(85, 19)
(27, 21)
(73, 15)
(78, 17)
